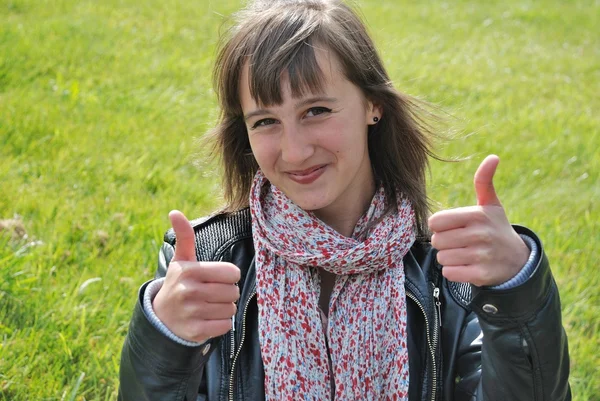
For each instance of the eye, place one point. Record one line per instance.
(264, 122)
(315, 111)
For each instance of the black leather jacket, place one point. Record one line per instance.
(465, 343)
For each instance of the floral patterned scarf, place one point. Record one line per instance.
(367, 310)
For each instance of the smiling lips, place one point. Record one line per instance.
(307, 176)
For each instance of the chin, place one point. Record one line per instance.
(310, 204)
(309, 199)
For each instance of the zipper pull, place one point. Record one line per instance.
(438, 304)
(232, 345)
(233, 318)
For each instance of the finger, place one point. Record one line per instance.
(220, 293)
(210, 272)
(449, 239)
(456, 218)
(473, 274)
(203, 330)
(185, 247)
(461, 238)
(459, 274)
(210, 311)
(210, 292)
(215, 328)
(463, 256)
(484, 182)
(455, 257)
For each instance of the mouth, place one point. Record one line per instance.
(307, 176)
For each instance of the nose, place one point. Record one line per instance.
(296, 145)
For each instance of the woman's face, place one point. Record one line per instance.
(314, 148)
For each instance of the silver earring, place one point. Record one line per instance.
(375, 119)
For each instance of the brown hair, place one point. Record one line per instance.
(277, 36)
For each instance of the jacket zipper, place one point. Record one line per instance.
(438, 304)
(432, 345)
(232, 344)
(237, 354)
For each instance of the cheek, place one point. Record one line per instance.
(264, 150)
(343, 135)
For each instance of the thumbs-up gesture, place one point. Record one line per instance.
(197, 299)
(477, 244)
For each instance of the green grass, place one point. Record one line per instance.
(101, 104)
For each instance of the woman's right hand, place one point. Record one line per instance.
(197, 299)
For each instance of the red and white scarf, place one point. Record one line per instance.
(367, 309)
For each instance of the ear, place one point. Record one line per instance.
(374, 112)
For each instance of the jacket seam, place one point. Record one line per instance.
(225, 368)
(536, 369)
(535, 372)
(221, 250)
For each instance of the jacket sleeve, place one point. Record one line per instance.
(153, 367)
(523, 348)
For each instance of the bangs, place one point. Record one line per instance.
(287, 53)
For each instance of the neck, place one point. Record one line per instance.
(343, 214)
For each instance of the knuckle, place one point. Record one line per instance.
(486, 255)
(199, 309)
(481, 256)
(484, 236)
(431, 221)
(196, 330)
(189, 269)
(474, 277)
(226, 293)
(174, 269)
(482, 277)
(217, 328)
(436, 220)
(227, 325)
(190, 294)
(188, 311)
(450, 274)
(231, 294)
(171, 265)
(235, 273)
(441, 257)
(479, 215)
(178, 292)
(476, 256)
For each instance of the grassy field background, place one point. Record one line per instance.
(101, 103)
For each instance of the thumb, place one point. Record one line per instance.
(484, 182)
(185, 247)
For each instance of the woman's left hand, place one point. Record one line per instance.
(477, 244)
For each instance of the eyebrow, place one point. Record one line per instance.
(298, 105)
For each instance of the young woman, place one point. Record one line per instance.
(322, 280)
